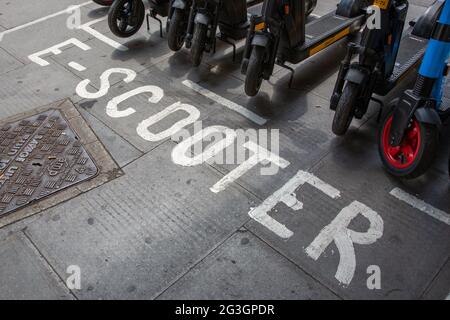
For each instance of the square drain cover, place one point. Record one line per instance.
(39, 156)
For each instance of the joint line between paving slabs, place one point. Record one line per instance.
(52, 269)
(297, 265)
(430, 284)
(201, 259)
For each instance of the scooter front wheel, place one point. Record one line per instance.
(254, 75)
(175, 32)
(126, 17)
(198, 43)
(416, 151)
(345, 109)
(105, 3)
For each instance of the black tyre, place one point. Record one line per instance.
(105, 3)
(198, 43)
(254, 75)
(121, 19)
(345, 109)
(176, 32)
(416, 152)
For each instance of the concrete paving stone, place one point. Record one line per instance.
(24, 42)
(144, 50)
(8, 62)
(122, 151)
(244, 267)
(134, 236)
(18, 12)
(413, 247)
(24, 275)
(30, 86)
(439, 289)
(174, 92)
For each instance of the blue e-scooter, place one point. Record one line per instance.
(409, 135)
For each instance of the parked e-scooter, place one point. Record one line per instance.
(230, 16)
(126, 17)
(385, 58)
(177, 22)
(282, 35)
(409, 135)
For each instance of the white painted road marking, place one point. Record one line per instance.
(286, 194)
(76, 66)
(87, 27)
(225, 102)
(260, 154)
(56, 49)
(65, 11)
(344, 238)
(421, 205)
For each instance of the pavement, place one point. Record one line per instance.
(318, 219)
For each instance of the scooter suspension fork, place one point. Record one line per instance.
(345, 65)
(190, 25)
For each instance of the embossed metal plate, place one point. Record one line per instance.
(39, 156)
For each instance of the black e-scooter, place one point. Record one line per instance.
(282, 35)
(126, 17)
(385, 58)
(229, 15)
(177, 22)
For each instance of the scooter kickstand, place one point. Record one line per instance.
(148, 22)
(224, 39)
(153, 15)
(160, 25)
(291, 79)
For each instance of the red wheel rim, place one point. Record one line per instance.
(402, 156)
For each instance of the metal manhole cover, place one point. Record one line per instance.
(39, 156)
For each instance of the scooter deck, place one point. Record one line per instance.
(319, 34)
(410, 53)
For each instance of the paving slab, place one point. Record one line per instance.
(439, 289)
(143, 50)
(8, 62)
(244, 267)
(121, 150)
(24, 275)
(28, 40)
(136, 235)
(30, 86)
(412, 248)
(18, 12)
